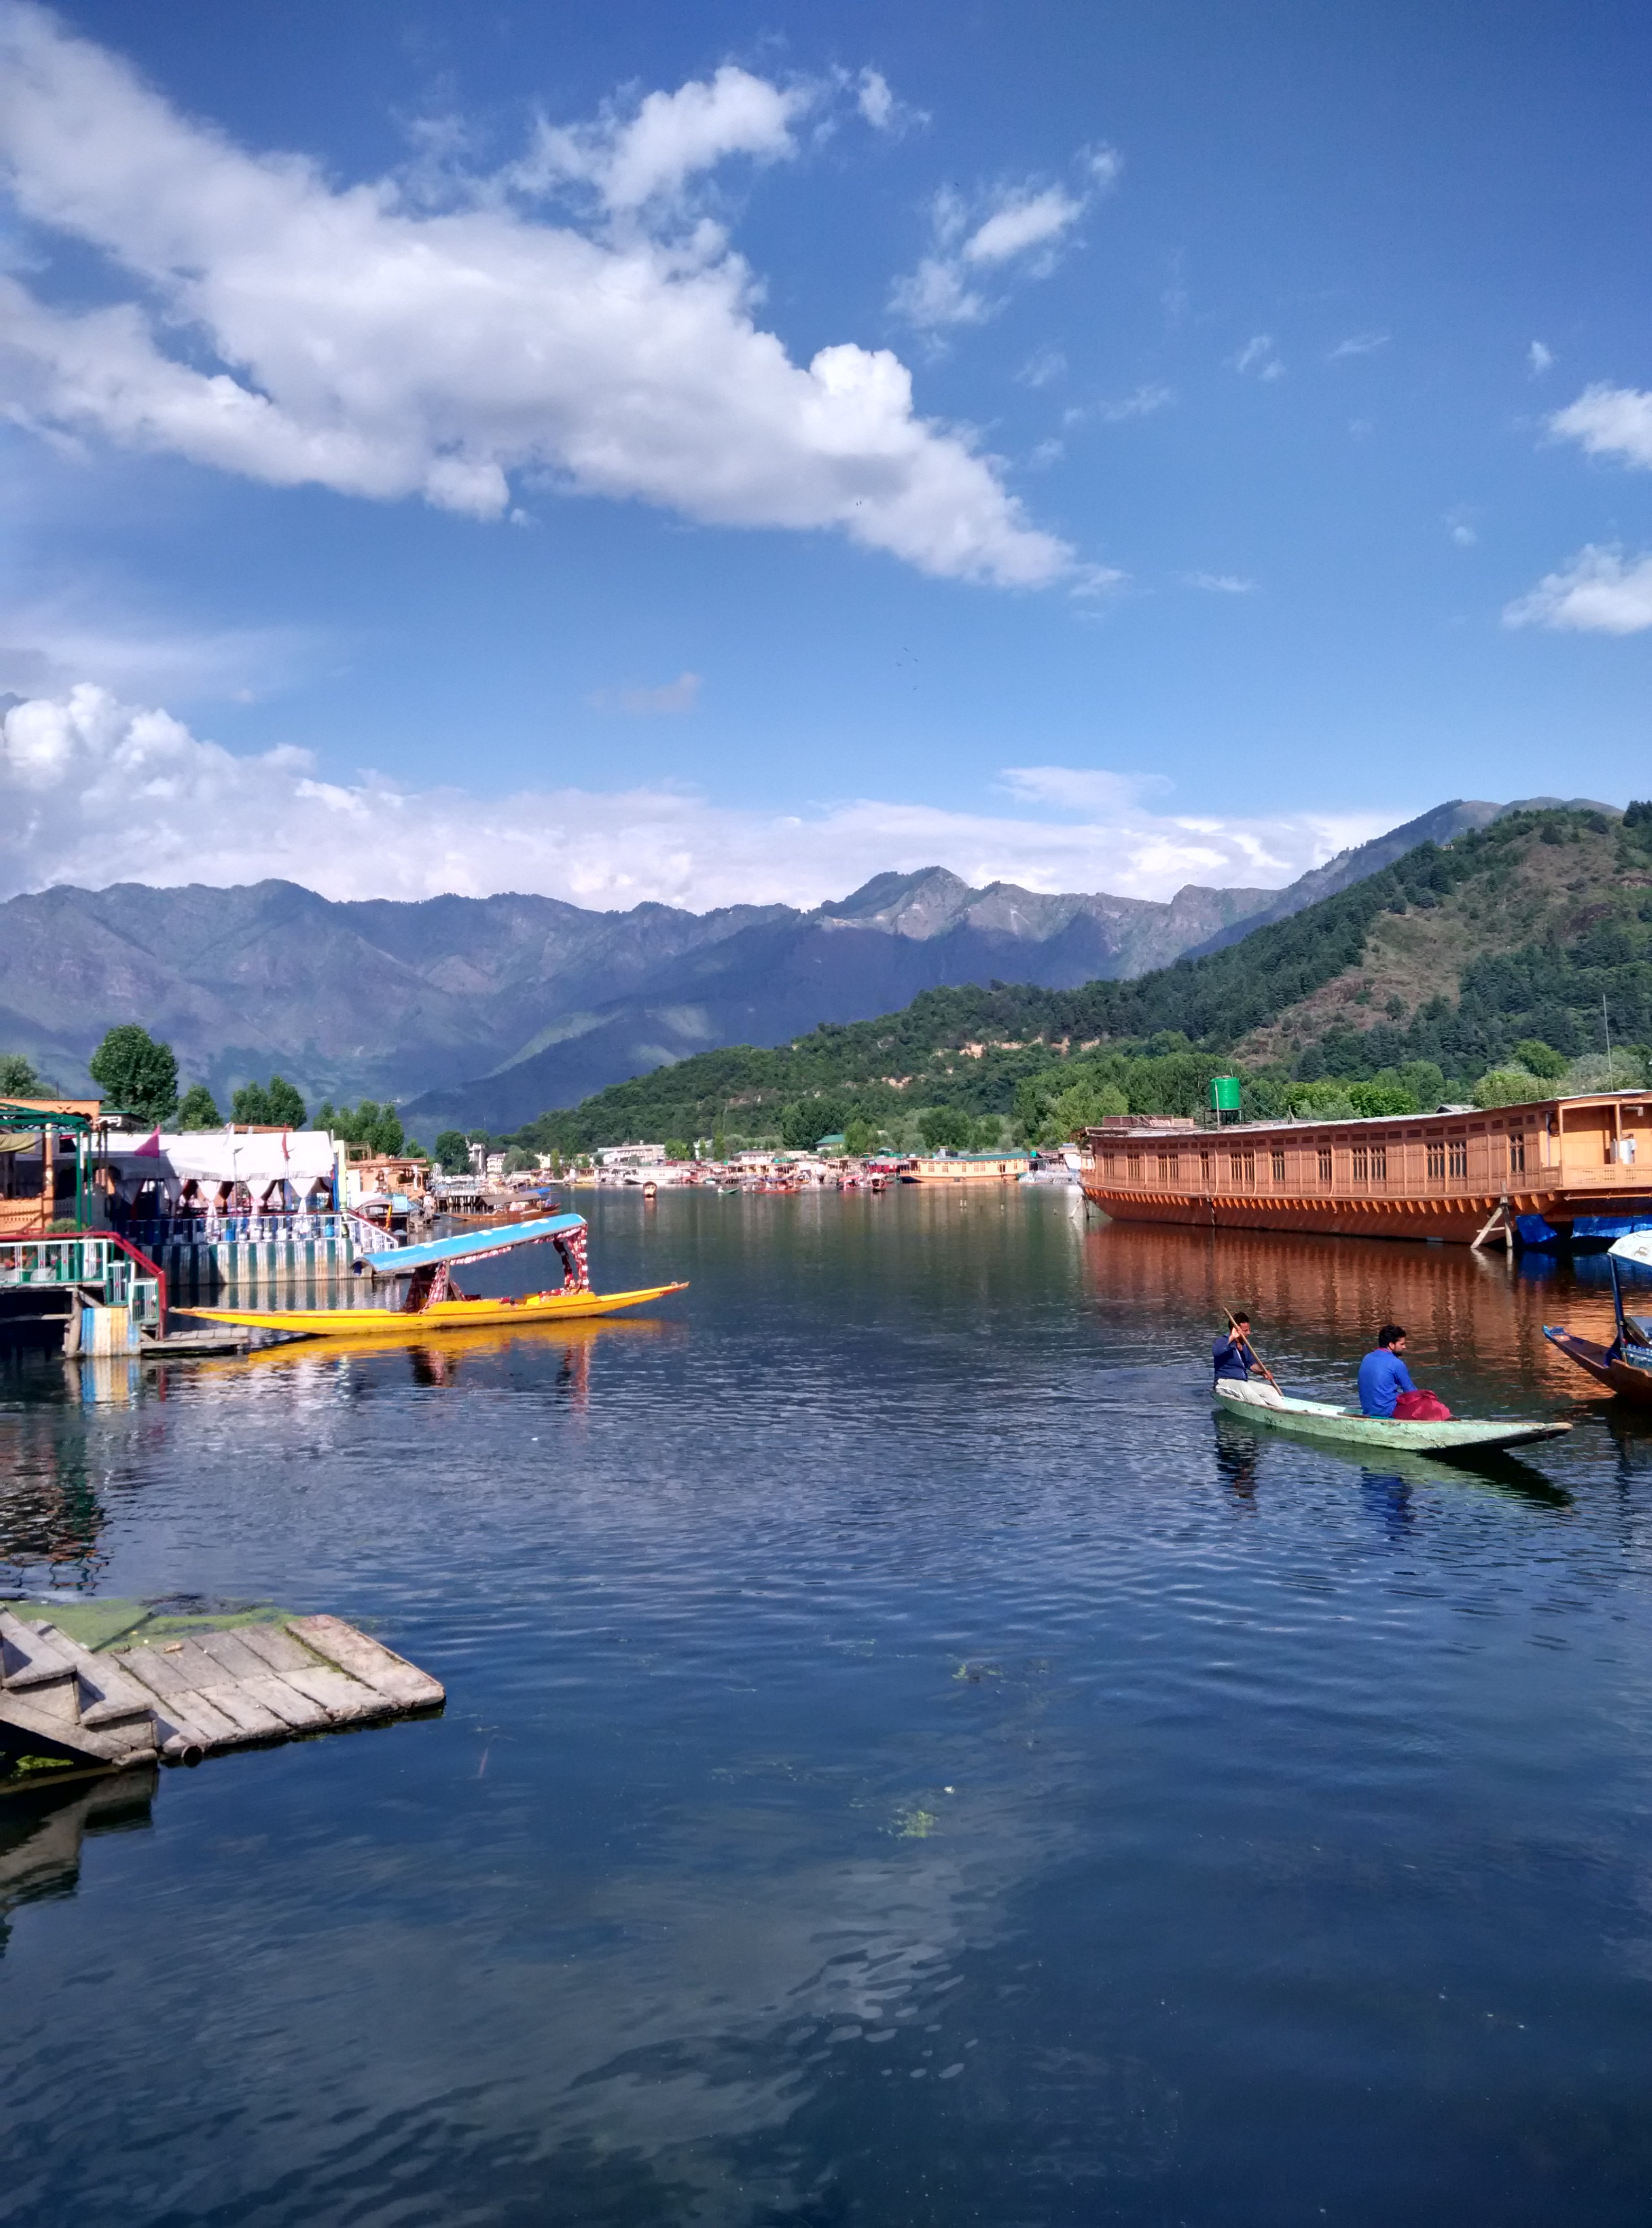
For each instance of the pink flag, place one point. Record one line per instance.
(151, 1145)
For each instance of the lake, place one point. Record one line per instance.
(906, 1761)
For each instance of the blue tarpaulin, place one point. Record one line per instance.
(473, 1245)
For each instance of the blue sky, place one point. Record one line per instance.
(424, 471)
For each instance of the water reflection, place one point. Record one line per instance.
(51, 1516)
(42, 1830)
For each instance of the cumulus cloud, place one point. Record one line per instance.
(1598, 593)
(1024, 224)
(275, 325)
(648, 155)
(101, 791)
(1539, 359)
(679, 696)
(1219, 584)
(1609, 421)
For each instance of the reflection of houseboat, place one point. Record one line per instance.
(1564, 1166)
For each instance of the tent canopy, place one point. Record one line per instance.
(214, 1157)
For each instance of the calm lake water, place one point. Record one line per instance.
(905, 1762)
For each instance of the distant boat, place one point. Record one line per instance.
(1318, 1419)
(431, 1302)
(1625, 1366)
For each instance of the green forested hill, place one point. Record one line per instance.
(1425, 976)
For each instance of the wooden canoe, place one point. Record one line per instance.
(539, 1310)
(1318, 1419)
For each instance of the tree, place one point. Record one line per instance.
(1539, 1059)
(451, 1152)
(946, 1129)
(251, 1105)
(19, 1079)
(199, 1110)
(284, 1103)
(806, 1121)
(677, 1149)
(138, 1076)
(859, 1138)
(378, 1128)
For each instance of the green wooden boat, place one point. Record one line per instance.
(1318, 1419)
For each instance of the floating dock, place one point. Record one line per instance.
(154, 1688)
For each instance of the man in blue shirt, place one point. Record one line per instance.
(1231, 1355)
(1383, 1375)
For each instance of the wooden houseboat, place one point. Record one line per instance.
(1459, 1173)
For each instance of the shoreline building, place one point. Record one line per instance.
(1576, 1168)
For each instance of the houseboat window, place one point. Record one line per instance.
(1324, 1164)
(1362, 1164)
(1278, 1164)
(1176, 1167)
(1437, 1157)
(1236, 1166)
(1164, 1168)
(1109, 1163)
(1204, 1170)
(1517, 1156)
(1133, 1167)
(1378, 1164)
(1459, 1156)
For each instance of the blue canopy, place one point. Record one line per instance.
(402, 1260)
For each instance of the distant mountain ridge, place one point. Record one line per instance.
(491, 1009)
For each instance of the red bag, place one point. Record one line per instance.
(1420, 1407)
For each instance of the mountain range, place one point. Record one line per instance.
(483, 1012)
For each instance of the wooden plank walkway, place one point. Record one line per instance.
(177, 1699)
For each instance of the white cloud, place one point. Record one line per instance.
(649, 155)
(1045, 366)
(1609, 421)
(1257, 355)
(1459, 524)
(290, 331)
(1142, 403)
(99, 791)
(1539, 359)
(1220, 584)
(1025, 224)
(1358, 344)
(879, 106)
(1597, 593)
(679, 696)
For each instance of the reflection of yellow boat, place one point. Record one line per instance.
(433, 1304)
(539, 1310)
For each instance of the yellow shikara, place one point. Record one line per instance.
(432, 1304)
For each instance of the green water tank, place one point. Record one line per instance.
(1225, 1094)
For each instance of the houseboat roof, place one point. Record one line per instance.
(1455, 1112)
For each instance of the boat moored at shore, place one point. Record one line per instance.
(1466, 1175)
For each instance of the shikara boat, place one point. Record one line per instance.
(424, 1299)
(1318, 1419)
(1625, 1366)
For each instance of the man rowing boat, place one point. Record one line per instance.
(1231, 1356)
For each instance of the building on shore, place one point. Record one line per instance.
(44, 1161)
(1557, 1167)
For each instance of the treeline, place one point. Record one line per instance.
(1049, 1060)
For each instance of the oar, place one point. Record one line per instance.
(1233, 1324)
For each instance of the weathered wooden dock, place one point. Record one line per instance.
(152, 1691)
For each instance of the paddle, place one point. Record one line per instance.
(1233, 1323)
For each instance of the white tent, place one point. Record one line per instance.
(300, 1157)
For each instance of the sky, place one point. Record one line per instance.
(717, 454)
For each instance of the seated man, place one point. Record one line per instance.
(1383, 1375)
(1231, 1356)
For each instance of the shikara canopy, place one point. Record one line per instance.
(476, 1245)
(1637, 1248)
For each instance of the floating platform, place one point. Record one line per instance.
(138, 1687)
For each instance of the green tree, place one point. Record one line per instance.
(806, 1121)
(859, 1137)
(946, 1129)
(285, 1105)
(251, 1105)
(19, 1079)
(676, 1149)
(1375, 1098)
(453, 1153)
(1539, 1059)
(138, 1075)
(199, 1110)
